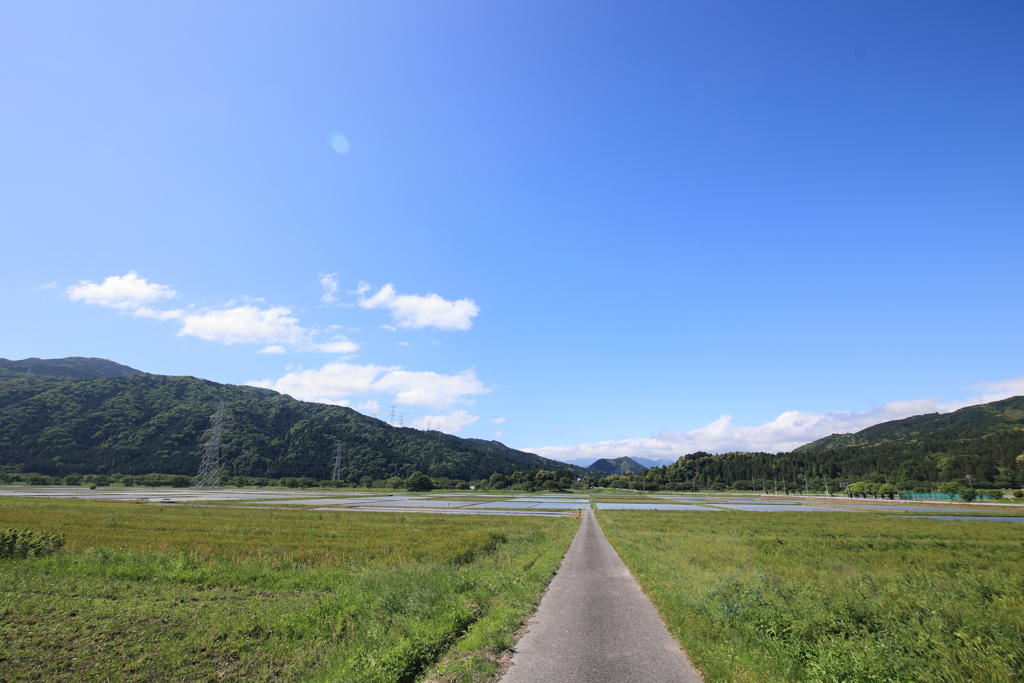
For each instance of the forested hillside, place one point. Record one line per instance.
(138, 424)
(985, 442)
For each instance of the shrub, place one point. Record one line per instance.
(29, 543)
(1019, 493)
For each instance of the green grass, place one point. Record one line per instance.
(190, 593)
(832, 597)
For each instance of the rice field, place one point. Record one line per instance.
(850, 597)
(197, 593)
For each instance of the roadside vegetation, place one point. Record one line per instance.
(191, 593)
(790, 597)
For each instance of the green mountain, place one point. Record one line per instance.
(984, 442)
(623, 465)
(52, 422)
(76, 367)
(974, 422)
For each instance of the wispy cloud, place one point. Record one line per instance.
(786, 432)
(338, 382)
(498, 420)
(272, 349)
(412, 311)
(329, 282)
(48, 285)
(451, 423)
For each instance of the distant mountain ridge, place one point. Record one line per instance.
(94, 416)
(623, 465)
(76, 367)
(646, 462)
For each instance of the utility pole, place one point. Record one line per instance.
(776, 480)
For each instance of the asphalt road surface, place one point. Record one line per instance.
(595, 625)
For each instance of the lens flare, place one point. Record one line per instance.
(338, 142)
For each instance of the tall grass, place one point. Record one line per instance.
(837, 597)
(183, 593)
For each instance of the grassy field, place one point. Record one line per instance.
(194, 593)
(844, 597)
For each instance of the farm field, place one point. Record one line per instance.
(797, 596)
(197, 593)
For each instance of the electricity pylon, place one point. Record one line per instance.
(209, 468)
(336, 470)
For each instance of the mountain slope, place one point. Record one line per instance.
(144, 423)
(973, 422)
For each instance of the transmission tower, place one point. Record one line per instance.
(336, 470)
(392, 415)
(209, 468)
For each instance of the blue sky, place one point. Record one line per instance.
(592, 228)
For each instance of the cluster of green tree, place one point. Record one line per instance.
(140, 424)
(534, 480)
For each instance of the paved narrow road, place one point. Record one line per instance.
(595, 625)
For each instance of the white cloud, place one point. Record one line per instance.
(120, 291)
(330, 284)
(412, 311)
(452, 423)
(245, 325)
(430, 389)
(370, 407)
(275, 326)
(497, 434)
(498, 420)
(272, 349)
(786, 432)
(327, 384)
(48, 285)
(998, 390)
(339, 345)
(336, 382)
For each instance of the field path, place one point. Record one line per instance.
(595, 625)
